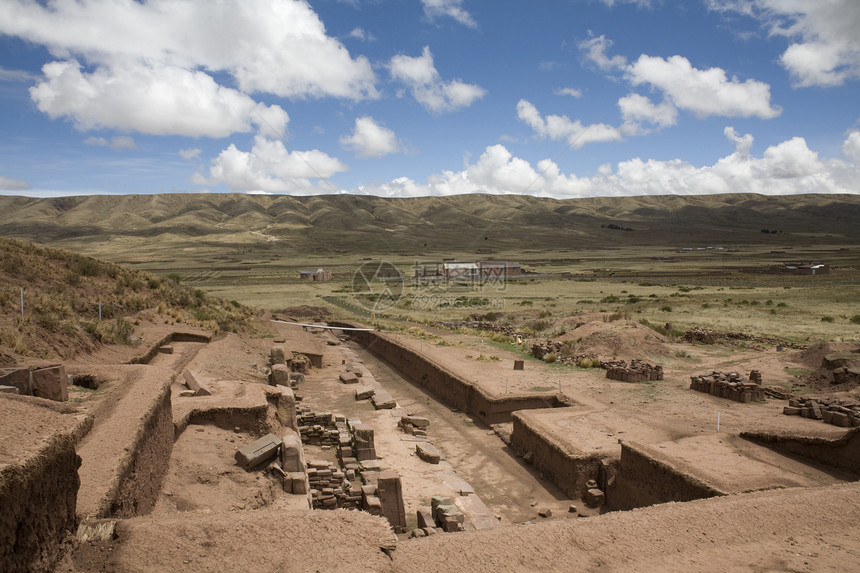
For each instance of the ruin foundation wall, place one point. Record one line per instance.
(37, 506)
(643, 479)
(445, 385)
(567, 470)
(140, 482)
(841, 453)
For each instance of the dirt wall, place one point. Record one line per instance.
(445, 385)
(643, 479)
(140, 483)
(37, 506)
(568, 470)
(841, 453)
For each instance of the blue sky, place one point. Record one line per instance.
(558, 98)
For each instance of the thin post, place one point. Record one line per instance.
(22, 301)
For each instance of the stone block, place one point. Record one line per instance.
(280, 375)
(8, 390)
(594, 498)
(382, 400)
(194, 382)
(17, 377)
(291, 454)
(791, 411)
(815, 410)
(364, 393)
(390, 493)
(277, 355)
(166, 349)
(348, 378)
(841, 419)
(51, 382)
(417, 421)
(428, 452)
(425, 517)
(519, 364)
(258, 451)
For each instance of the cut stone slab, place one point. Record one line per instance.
(428, 452)
(364, 392)
(258, 451)
(390, 493)
(594, 497)
(8, 390)
(280, 375)
(382, 400)
(348, 378)
(425, 517)
(51, 382)
(277, 355)
(291, 455)
(417, 421)
(193, 381)
(17, 377)
(477, 514)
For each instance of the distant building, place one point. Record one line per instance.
(806, 268)
(500, 269)
(317, 275)
(461, 271)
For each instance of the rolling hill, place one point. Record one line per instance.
(362, 224)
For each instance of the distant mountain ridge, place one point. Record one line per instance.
(353, 224)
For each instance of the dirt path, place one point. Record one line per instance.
(511, 489)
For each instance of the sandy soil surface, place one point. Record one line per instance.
(213, 516)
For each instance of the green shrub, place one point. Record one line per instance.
(854, 319)
(826, 319)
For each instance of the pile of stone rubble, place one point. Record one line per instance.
(730, 385)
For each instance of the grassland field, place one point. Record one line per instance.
(712, 288)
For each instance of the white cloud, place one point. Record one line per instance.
(451, 8)
(572, 92)
(851, 147)
(827, 52)
(637, 109)
(789, 167)
(274, 46)
(190, 153)
(270, 167)
(370, 139)
(7, 75)
(561, 128)
(157, 101)
(703, 92)
(118, 142)
(151, 66)
(437, 96)
(743, 143)
(10, 184)
(361, 34)
(594, 50)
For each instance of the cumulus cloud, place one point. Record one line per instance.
(703, 92)
(190, 153)
(851, 147)
(572, 92)
(270, 167)
(562, 128)
(370, 139)
(789, 167)
(118, 142)
(826, 46)
(10, 184)
(151, 66)
(157, 101)
(637, 109)
(448, 8)
(427, 87)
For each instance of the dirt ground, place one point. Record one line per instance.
(203, 478)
